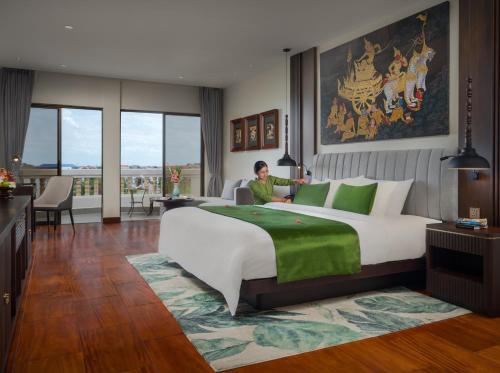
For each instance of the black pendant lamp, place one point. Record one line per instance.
(286, 160)
(467, 158)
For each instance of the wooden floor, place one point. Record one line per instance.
(87, 310)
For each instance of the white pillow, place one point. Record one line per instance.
(391, 196)
(334, 185)
(228, 190)
(244, 182)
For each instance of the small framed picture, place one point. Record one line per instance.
(237, 135)
(252, 130)
(270, 129)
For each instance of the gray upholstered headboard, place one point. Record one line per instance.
(433, 194)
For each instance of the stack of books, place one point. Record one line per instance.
(471, 223)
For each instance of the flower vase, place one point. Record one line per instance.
(176, 191)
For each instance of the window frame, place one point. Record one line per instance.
(59, 109)
(163, 137)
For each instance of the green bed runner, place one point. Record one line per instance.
(306, 246)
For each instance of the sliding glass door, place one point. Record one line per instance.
(66, 141)
(151, 145)
(183, 148)
(81, 157)
(141, 162)
(40, 158)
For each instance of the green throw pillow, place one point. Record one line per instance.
(312, 194)
(357, 199)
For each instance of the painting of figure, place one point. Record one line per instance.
(237, 135)
(270, 129)
(252, 132)
(392, 83)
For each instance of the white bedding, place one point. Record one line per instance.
(223, 251)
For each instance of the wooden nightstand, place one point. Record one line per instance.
(463, 267)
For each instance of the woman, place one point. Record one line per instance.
(262, 186)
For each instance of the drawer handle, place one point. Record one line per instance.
(6, 298)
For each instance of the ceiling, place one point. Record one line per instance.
(197, 42)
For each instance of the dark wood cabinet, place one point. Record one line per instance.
(15, 259)
(463, 267)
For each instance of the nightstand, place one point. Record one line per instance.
(463, 267)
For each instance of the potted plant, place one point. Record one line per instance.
(175, 179)
(7, 184)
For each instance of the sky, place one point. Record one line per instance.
(81, 137)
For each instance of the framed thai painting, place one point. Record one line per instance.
(237, 135)
(252, 132)
(269, 131)
(392, 83)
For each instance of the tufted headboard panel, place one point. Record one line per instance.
(434, 193)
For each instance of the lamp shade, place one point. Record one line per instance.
(468, 159)
(287, 161)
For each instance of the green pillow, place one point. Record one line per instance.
(357, 199)
(312, 194)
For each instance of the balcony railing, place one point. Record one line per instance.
(87, 186)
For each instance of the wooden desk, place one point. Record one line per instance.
(15, 259)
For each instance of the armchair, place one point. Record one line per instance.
(57, 197)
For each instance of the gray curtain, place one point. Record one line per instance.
(16, 89)
(211, 126)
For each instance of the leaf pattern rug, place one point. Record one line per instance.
(254, 336)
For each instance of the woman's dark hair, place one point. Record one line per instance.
(259, 165)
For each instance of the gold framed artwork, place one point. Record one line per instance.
(269, 129)
(252, 132)
(237, 135)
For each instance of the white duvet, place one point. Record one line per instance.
(223, 251)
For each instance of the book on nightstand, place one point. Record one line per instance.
(467, 223)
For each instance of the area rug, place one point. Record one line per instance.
(254, 336)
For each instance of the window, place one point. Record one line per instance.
(66, 141)
(40, 146)
(141, 161)
(183, 149)
(151, 143)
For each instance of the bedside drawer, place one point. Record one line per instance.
(458, 290)
(463, 267)
(462, 242)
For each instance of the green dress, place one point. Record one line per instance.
(263, 193)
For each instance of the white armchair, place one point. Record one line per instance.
(57, 196)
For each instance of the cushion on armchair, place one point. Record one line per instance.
(229, 187)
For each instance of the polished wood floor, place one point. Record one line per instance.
(87, 310)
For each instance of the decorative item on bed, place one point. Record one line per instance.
(278, 253)
(391, 83)
(306, 246)
(312, 194)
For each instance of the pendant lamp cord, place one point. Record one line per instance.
(286, 50)
(468, 125)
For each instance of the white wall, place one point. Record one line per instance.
(265, 91)
(65, 89)
(160, 97)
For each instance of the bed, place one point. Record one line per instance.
(238, 258)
